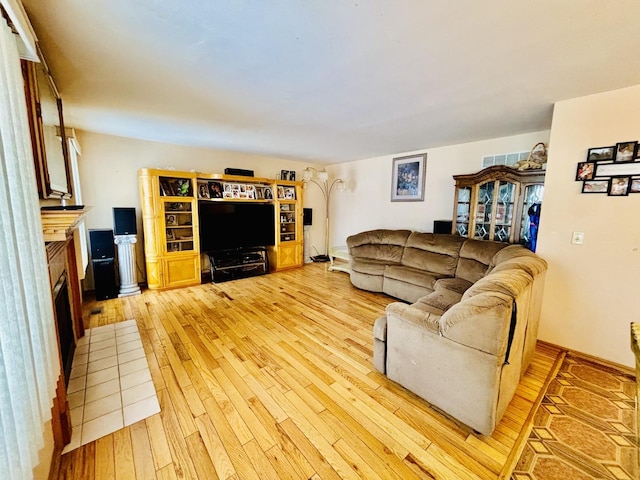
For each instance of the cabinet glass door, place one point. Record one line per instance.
(532, 195)
(178, 222)
(287, 222)
(463, 210)
(504, 211)
(484, 210)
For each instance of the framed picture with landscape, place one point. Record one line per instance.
(408, 178)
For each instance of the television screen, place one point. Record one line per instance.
(228, 225)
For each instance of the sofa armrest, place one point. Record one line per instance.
(410, 314)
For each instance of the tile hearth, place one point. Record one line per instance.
(110, 385)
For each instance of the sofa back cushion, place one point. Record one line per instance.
(476, 257)
(381, 245)
(436, 253)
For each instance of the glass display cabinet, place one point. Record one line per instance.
(494, 203)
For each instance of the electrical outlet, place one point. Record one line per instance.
(577, 238)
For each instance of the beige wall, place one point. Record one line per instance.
(592, 290)
(109, 174)
(367, 203)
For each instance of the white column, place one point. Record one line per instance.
(127, 265)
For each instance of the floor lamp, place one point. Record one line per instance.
(321, 179)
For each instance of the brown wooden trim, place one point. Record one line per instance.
(60, 415)
(592, 358)
(75, 296)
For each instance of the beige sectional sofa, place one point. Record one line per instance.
(468, 333)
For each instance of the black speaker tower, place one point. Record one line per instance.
(104, 263)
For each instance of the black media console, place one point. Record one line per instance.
(238, 263)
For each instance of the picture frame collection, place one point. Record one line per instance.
(244, 191)
(614, 170)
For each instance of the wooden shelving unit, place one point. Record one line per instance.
(170, 220)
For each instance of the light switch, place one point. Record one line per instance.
(577, 238)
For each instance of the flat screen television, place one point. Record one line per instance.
(228, 225)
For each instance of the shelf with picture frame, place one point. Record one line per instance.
(170, 201)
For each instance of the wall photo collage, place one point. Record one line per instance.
(614, 170)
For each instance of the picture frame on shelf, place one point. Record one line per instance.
(172, 220)
(289, 193)
(268, 193)
(203, 190)
(170, 235)
(408, 176)
(634, 187)
(595, 186)
(165, 188)
(280, 192)
(216, 190)
(251, 192)
(600, 153)
(619, 186)
(259, 193)
(625, 151)
(585, 171)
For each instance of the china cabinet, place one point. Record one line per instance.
(494, 203)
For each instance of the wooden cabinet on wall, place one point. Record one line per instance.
(288, 251)
(170, 223)
(493, 204)
(170, 220)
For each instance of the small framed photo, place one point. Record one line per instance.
(625, 151)
(251, 191)
(585, 171)
(634, 187)
(407, 178)
(619, 186)
(292, 175)
(170, 235)
(284, 174)
(600, 153)
(259, 193)
(215, 189)
(280, 193)
(289, 193)
(165, 188)
(595, 186)
(172, 220)
(268, 193)
(203, 190)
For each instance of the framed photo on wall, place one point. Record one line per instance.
(408, 177)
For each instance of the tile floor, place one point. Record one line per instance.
(110, 385)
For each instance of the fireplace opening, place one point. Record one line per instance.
(65, 325)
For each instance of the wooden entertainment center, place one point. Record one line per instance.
(171, 227)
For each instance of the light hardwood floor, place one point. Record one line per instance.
(271, 377)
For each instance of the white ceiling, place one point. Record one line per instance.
(331, 80)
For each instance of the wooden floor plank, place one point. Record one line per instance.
(272, 377)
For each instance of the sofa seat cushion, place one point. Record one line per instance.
(457, 285)
(409, 314)
(368, 267)
(413, 276)
(438, 301)
(432, 252)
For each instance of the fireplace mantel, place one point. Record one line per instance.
(59, 222)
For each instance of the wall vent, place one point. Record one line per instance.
(504, 159)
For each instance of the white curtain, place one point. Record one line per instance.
(29, 364)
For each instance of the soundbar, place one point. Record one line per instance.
(238, 171)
